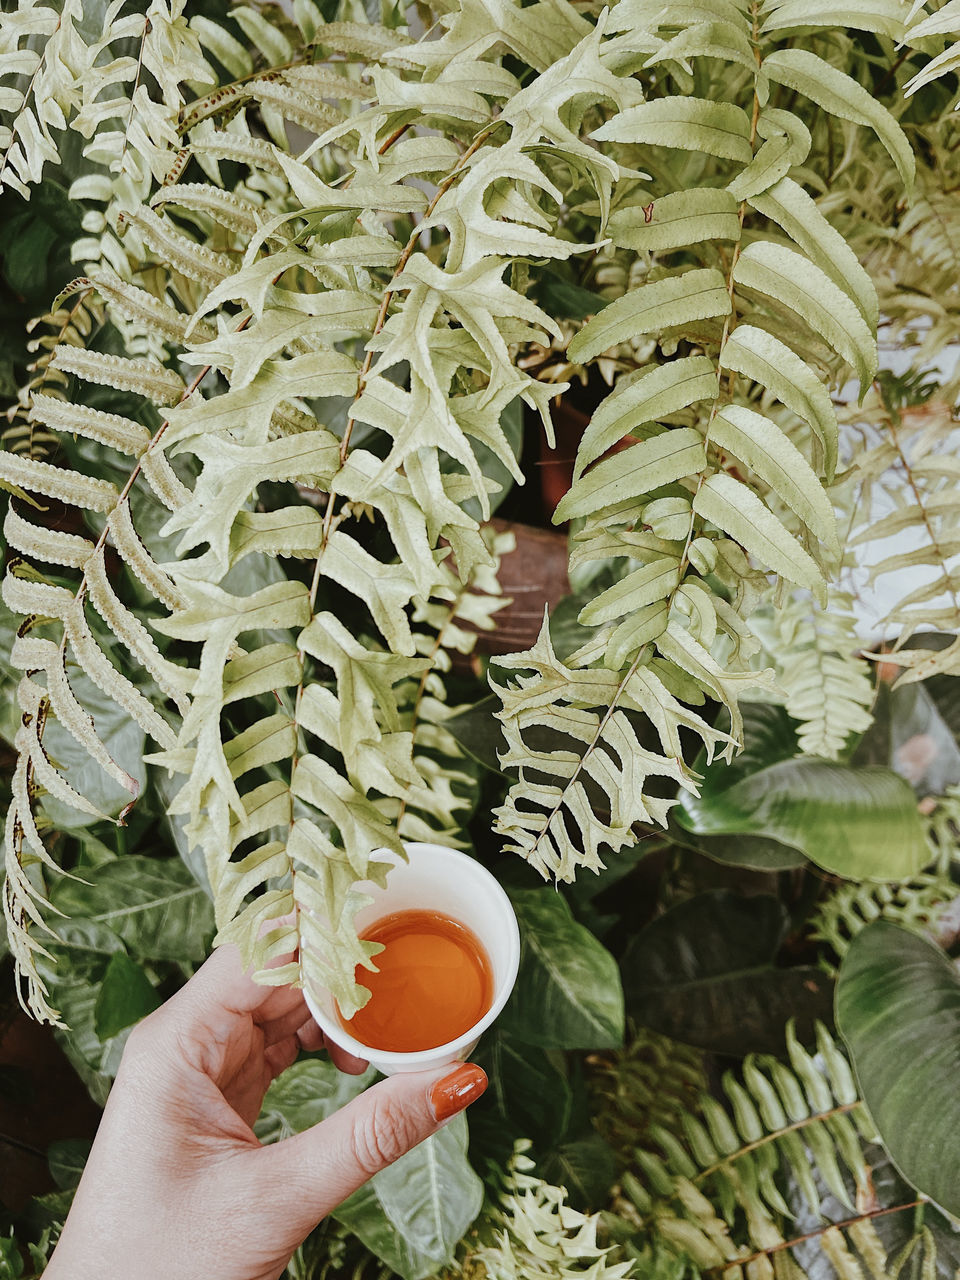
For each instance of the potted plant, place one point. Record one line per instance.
(332, 270)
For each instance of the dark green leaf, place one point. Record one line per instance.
(856, 822)
(478, 733)
(587, 1168)
(126, 995)
(528, 1091)
(704, 973)
(568, 993)
(11, 1262)
(412, 1214)
(758, 853)
(898, 1009)
(305, 1094)
(153, 904)
(66, 1160)
(565, 300)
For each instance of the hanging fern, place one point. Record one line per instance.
(775, 305)
(734, 1192)
(358, 321)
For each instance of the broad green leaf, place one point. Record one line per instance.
(66, 1159)
(676, 220)
(645, 466)
(653, 395)
(565, 299)
(842, 96)
(693, 124)
(695, 295)
(568, 991)
(768, 361)
(861, 823)
(898, 1009)
(585, 1167)
(793, 281)
(528, 1090)
(705, 973)
(412, 1214)
(762, 446)
(153, 904)
(305, 1094)
(791, 208)
(126, 995)
(478, 732)
(736, 509)
(757, 853)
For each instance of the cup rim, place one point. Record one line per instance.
(451, 1048)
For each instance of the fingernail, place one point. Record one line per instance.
(457, 1090)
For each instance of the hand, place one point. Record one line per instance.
(178, 1186)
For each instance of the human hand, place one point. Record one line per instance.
(177, 1184)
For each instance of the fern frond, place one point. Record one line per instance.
(828, 688)
(917, 904)
(531, 1233)
(726, 1193)
(650, 1083)
(914, 468)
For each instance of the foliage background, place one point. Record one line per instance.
(710, 210)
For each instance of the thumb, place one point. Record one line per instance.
(325, 1164)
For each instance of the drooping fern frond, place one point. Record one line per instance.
(721, 486)
(744, 1190)
(67, 326)
(828, 687)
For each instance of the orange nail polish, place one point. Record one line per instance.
(457, 1090)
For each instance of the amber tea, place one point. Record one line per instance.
(434, 983)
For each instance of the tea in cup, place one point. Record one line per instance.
(451, 951)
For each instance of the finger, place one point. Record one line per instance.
(311, 1037)
(322, 1166)
(281, 1055)
(345, 1061)
(288, 1024)
(222, 985)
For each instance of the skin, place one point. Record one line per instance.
(177, 1183)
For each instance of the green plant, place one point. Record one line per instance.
(336, 265)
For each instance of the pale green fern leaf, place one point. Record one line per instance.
(793, 281)
(842, 96)
(828, 688)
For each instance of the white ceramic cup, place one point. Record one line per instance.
(434, 879)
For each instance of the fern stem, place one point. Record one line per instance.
(817, 1232)
(381, 320)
